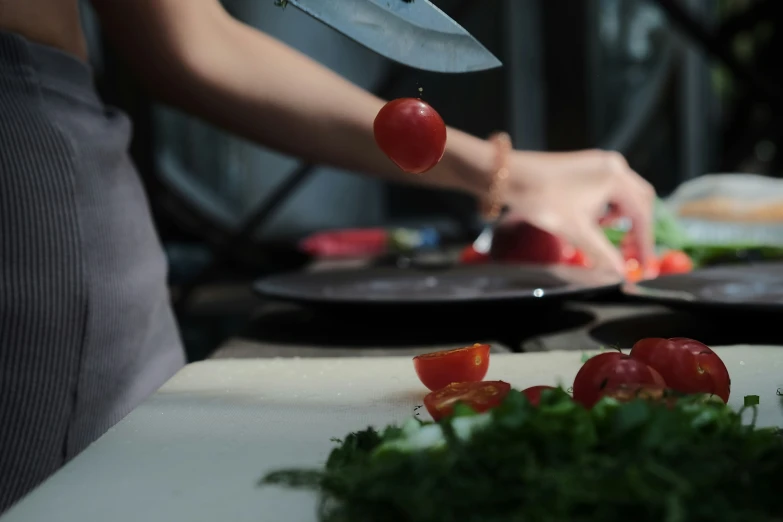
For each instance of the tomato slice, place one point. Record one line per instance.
(438, 369)
(411, 133)
(688, 366)
(676, 262)
(609, 370)
(481, 396)
(533, 393)
(648, 392)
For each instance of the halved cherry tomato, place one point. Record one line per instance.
(609, 370)
(438, 369)
(469, 256)
(649, 392)
(533, 393)
(481, 396)
(676, 262)
(686, 365)
(411, 133)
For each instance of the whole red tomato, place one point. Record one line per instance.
(533, 393)
(686, 365)
(439, 369)
(607, 371)
(411, 133)
(675, 262)
(523, 243)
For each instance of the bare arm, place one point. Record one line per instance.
(194, 55)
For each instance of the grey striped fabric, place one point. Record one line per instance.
(86, 328)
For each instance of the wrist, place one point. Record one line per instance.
(470, 163)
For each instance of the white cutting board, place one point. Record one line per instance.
(194, 451)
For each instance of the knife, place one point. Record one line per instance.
(412, 32)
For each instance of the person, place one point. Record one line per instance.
(86, 328)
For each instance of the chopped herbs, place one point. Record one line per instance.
(695, 461)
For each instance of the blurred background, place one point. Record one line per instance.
(678, 98)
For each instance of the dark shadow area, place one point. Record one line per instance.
(391, 326)
(711, 328)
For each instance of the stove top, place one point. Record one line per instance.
(288, 331)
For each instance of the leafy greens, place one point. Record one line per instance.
(638, 461)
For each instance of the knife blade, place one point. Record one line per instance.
(415, 33)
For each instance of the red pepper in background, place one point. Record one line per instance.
(346, 243)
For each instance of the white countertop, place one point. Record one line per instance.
(194, 451)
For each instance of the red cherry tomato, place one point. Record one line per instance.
(469, 256)
(609, 370)
(411, 133)
(676, 262)
(533, 393)
(686, 365)
(523, 243)
(481, 396)
(438, 369)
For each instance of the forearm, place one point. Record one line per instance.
(259, 88)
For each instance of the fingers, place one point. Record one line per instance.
(603, 254)
(634, 198)
(639, 208)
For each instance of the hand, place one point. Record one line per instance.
(567, 194)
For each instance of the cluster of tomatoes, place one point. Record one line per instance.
(525, 243)
(651, 370)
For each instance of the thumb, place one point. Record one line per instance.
(592, 240)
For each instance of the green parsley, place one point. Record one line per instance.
(695, 461)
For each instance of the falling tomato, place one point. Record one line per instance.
(439, 369)
(411, 133)
(480, 396)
